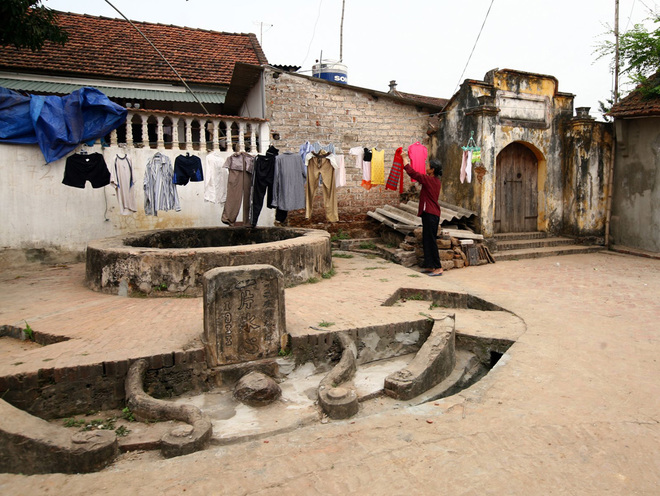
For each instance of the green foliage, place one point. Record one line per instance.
(29, 333)
(73, 422)
(329, 274)
(367, 245)
(416, 296)
(283, 352)
(127, 414)
(312, 280)
(28, 24)
(340, 235)
(639, 56)
(323, 323)
(122, 431)
(342, 255)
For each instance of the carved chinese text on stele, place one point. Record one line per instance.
(243, 313)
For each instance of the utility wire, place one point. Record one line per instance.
(313, 34)
(473, 47)
(162, 56)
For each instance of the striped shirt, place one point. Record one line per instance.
(159, 191)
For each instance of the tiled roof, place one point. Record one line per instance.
(635, 105)
(430, 100)
(113, 49)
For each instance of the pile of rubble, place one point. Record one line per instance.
(454, 251)
(459, 246)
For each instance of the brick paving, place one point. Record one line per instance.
(573, 407)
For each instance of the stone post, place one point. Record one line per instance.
(244, 314)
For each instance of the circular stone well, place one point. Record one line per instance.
(167, 262)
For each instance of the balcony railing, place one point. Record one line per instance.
(181, 131)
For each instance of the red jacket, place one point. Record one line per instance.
(428, 197)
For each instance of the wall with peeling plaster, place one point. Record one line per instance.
(635, 218)
(512, 106)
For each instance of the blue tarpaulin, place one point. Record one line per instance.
(57, 123)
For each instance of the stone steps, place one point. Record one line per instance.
(517, 246)
(549, 251)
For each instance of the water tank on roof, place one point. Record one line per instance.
(330, 71)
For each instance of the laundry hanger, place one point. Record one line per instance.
(471, 145)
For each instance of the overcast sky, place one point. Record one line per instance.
(422, 44)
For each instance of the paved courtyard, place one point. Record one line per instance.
(572, 408)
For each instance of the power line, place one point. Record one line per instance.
(161, 55)
(475, 45)
(313, 34)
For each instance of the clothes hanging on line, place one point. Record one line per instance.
(289, 182)
(263, 178)
(122, 180)
(187, 168)
(239, 186)
(159, 191)
(328, 155)
(320, 165)
(418, 154)
(340, 171)
(305, 148)
(317, 147)
(240, 161)
(366, 169)
(466, 166)
(395, 178)
(377, 167)
(215, 179)
(81, 168)
(358, 153)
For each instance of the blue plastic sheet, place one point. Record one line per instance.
(57, 123)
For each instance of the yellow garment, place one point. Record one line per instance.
(377, 167)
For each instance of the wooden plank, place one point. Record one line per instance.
(462, 234)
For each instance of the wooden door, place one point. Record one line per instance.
(516, 190)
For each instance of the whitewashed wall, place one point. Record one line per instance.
(38, 211)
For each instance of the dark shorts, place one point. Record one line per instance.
(82, 168)
(187, 168)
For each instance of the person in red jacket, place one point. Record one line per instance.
(429, 211)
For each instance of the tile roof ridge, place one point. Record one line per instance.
(147, 23)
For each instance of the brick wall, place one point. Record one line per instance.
(301, 108)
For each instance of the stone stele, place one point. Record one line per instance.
(244, 314)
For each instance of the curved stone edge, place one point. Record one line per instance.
(145, 407)
(115, 268)
(30, 445)
(432, 364)
(347, 405)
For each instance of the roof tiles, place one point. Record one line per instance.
(113, 49)
(635, 105)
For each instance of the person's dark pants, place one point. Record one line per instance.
(430, 225)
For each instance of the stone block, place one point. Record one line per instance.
(447, 264)
(444, 244)
(432, 364)
(244, 313)
(446, 255)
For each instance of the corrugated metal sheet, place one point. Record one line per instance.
(114, 92)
